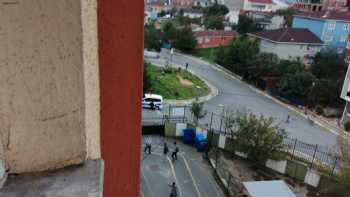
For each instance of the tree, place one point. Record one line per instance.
(288, 15)
(152, 38)
(198, 111)
(296, 86)
(240, 53)
(214, 22)
(147, 81)
(169, 31)
(216, 9)
(341, 186)
(185, 40)
(246, 24)
(257, 136)
(328, 64)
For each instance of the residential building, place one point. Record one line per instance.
(182, 3)
(263, 5)
(332, 27)
(191, 13)
(202, 3)
(289, 43)
(310, 5)
(258, 5)
(214, 38)
(267, 20)
(345, 94)
(339, 5)
(232, 17)
(65, 91)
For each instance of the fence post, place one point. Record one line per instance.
(334, 166)
(216, 158)
(228, 183)
(220, 124)
(313, 157)
(211, 121)
(183, 121)
(295, 144)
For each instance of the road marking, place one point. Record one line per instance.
(190, 173)
(173, 171)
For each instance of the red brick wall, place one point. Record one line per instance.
(120, 29)
(214, 42)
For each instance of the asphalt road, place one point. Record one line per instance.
(192, 174)
(235, 95)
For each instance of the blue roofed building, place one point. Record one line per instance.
(332, 27)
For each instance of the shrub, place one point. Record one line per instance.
(347, 126)
(319, 110)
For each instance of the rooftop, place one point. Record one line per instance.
(268, 189)
(327, 14)
(262, 1)
(288, 35)
(214, 33)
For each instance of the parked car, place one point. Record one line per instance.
(154, 101)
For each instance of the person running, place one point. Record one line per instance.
(148, 143)
(166, 149)
(288, 119)
(174, 154)
(173, 191)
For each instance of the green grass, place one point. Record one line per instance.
(207, 54)
(166, 83)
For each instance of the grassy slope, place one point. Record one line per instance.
(168, 85)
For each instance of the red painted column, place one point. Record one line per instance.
(120, 29)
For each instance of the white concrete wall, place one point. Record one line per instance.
(279, 166)
(312, 178)
(222, 141)
(179, 129)
(289, 51)
(91, 78)
(47, 68)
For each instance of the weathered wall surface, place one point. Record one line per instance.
(91, 78)
(41, 84)
(120, 29)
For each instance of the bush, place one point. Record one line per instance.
(319, 110)
(347, 126)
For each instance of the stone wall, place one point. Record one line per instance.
(42, 99)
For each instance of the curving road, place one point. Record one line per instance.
(236, 95)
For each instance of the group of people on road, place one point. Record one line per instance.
(148, 149)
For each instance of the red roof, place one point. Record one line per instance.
(327, 14)
(214, 33)
(288, 35)
(262, 1)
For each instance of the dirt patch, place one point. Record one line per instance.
(185, 82)
(244, 171)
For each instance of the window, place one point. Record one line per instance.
(331, 25)
(328, 37)
(343, 38)
(200, 40)
(346, 26)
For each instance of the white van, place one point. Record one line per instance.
(148, 99)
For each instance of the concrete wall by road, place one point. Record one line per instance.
(48, 66)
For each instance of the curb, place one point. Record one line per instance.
(213, 90)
